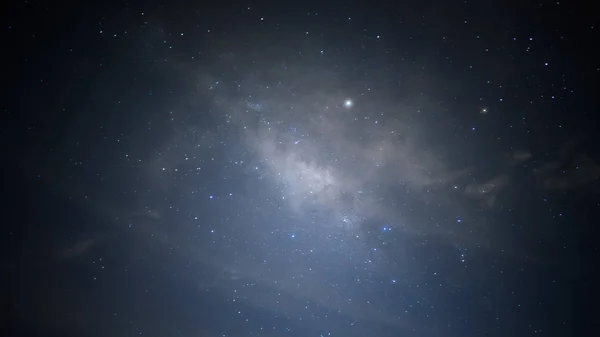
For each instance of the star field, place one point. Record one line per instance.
(316, 170)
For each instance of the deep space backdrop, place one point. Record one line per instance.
(299, 169)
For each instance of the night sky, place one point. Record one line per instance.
(213, 169)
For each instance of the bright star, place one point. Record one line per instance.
(348, 103)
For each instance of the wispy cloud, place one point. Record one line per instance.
(79, 248)
(576, 172)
